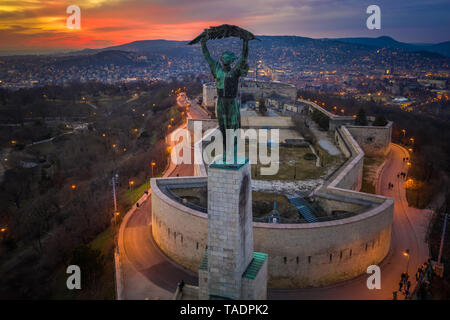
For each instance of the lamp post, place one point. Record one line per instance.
(442, 239)
(152, 164)
(3, 232)
(115, 176)
(406, 254)
(295, 168)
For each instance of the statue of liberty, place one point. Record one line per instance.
(227, 77)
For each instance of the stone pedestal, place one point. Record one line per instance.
(230, 268)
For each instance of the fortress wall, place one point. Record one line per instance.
(206, 125)
(299, 254)
(374, 140)
(180, 232)
(350, 175)
(322, 253)
(263, 89)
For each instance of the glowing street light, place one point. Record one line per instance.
(152, 165)
(74, 186)
(406, 254)
(3, 229)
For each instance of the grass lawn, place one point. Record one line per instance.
(306, 169)
(262, 204)
(371, 165)
(130, 196)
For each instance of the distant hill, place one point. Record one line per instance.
(101, 58)
(272, 49)
(145, 46)
(172, 47)
(442, 48)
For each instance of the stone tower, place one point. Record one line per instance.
(230, 269)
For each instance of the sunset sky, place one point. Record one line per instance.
(41, 25)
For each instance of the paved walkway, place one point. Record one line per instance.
(147, 272)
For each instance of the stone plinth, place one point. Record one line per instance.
(230, 230)
(229, 258)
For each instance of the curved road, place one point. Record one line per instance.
(408, 232)
(149, 274)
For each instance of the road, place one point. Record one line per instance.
(157, 275)
(408, 232)
(147, 272)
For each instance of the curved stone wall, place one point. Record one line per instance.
(299, 254)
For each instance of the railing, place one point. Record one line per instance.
(301, 220)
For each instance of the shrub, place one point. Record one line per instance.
(380, 121)
(310, 156)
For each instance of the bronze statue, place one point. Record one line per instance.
(227, 77)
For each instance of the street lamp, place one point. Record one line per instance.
(153, 164)
(295, 168)
(404, 132)
(131, 183)
(114, 180)
(406, 254)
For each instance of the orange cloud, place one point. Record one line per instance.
(32, 24)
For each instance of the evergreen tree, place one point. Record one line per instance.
(361, 118)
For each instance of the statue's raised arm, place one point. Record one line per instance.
(227, 78)
(242, 66)
(211, 62)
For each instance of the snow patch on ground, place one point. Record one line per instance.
(285, 187)
(329, 147)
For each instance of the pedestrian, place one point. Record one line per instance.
(400, 286)
(398, 175)
(403, 276)
(408, 285)
(181, 285)
(394, 295)
(406, 294)
(418, 274)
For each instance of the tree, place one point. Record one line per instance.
(380, 121)
(262, 107)
(361, 118)
(91, 261)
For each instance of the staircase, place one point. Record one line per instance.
(304, 209)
